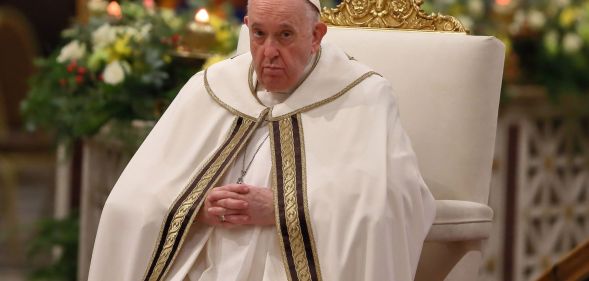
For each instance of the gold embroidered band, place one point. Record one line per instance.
(186, 206)
(290, 195)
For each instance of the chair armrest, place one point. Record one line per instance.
(460, 220)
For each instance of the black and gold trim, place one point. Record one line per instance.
(252, 87)
(294, 229)
(183, 211)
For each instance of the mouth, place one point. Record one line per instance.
(272, 67)
(272, 70)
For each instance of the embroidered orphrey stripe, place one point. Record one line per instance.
(292, 213)
(186, 206)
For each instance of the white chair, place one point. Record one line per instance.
(448, 86)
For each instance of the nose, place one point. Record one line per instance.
(270, 49)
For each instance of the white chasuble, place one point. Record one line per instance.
(350, 202)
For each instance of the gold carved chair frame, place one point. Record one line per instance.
(395, 14)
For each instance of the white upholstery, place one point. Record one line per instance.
(458, 220)
(448, 89)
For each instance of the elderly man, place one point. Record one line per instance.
(285, 163)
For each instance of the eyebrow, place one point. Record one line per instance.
(282, 25)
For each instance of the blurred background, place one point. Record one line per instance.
(83, 81)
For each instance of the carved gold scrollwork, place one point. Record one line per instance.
(397, 14)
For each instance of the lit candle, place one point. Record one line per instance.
(201, 22)
(202, 16)
(200, 36)
(114, 10)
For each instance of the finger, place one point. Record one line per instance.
(237, 219)
(234, 187)
(219, 211)
(216, 195)
(230, 203)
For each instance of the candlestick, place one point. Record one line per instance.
(199, 36)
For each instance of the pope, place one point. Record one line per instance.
(288, 162)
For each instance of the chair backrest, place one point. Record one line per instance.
(448, 88)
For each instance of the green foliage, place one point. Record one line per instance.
(547, 40)
(113, 68)
(54, 236)
(554, 51)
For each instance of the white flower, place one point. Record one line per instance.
(97, 6)
(103, 36)
(536, 19)
(72, 51)
(129, 31)
(517, 23)
(145, 30)
(139, 33)
(519, 17)
(114, 72)
(572, 43)
(476, 7)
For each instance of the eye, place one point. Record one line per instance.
(258, 33)
(286, 34)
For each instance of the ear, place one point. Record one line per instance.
(246, 20)
(319, 30)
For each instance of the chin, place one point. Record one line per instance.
(275, 87)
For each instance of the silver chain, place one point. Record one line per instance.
(244, 169)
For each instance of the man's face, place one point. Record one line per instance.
(282, 40)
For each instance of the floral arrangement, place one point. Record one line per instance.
(547, 40)
(553, 50)
(118, 66)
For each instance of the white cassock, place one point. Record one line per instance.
(350, 201)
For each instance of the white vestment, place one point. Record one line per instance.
(350, 201)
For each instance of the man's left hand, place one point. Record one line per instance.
(259, 202)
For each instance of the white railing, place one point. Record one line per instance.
(540, 187)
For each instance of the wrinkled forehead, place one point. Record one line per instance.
(279, 3)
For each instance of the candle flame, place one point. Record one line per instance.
(202, 16)
(114, 9)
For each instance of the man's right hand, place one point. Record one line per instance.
(213, 214)
(238, 204)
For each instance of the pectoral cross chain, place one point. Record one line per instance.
(240, 179)
(245, 168)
